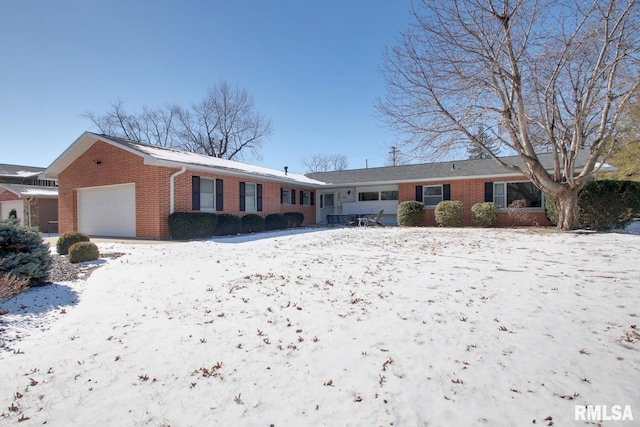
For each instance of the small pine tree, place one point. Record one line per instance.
(23, 253)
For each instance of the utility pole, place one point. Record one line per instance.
(394, 156)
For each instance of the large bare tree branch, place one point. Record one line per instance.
(539, 75)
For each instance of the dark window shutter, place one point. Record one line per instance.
(488, 191)
(195, 193)
(219, 195)
(301, 197)
(242, 196)
(281, 195)
(418, 193)
(321, 202)
(312, 196)
(293, 197)
(446, 192)
(259, 197)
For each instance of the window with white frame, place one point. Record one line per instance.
(250, 197)
(305, 198)
(432, 195)
(368, 196)
(286, 196)
(207, 194)
(505, 193)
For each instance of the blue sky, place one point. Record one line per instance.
(312, 67)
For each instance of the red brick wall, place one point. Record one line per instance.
(231, 190)
(470, 192)
(7, 195)
(118, 166)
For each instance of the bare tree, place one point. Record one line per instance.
(224, 124)
(541, 75)
(154, 126)
(325, 163)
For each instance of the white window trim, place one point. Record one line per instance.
(287, 201)
(213, 194)
(425, 197)
(253, 208)
(505, 208)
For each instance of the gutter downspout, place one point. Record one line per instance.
(29, 209)
(172, 190)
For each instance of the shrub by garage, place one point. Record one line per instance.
(83, 251)
(67, 240)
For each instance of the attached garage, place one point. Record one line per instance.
(107, 211)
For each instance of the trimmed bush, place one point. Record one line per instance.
(276, 221)
(252, 223)
(449, 213)
(411, 214)
(609, 204)
(66, 240)
(485, 214)
(83, 251)
(228, 224)
(295, 219)
(192, 225)
(23, 253)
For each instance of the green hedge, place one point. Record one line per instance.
(485, 214)
(83, 251)
(411, 214)
(295, 219)
(276, 221)
(609, 204)
(228, 225)
(65, 241)
(192, 225)
(252, 223)
(449, 213)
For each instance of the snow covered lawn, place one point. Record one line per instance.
(361, 326)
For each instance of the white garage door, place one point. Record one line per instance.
(6, 207)
(107, 211)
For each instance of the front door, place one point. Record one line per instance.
(328, 205)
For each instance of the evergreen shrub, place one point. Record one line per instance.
(276, 221)
(83, 251)
(23, 253)
(485, 214)
(228, 225)
(449, 213)
(609, 204)
(66, 240)
(252, 223)
(192, 225)
(411, 214)
(295, 218)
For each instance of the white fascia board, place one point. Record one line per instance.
(230, 172)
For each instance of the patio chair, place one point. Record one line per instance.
(366, 221)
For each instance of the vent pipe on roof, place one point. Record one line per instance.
(286, 170)
(453, 166)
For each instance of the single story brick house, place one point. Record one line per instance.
(366, 191)
(114, 187)
(109, 186)
(34, 200)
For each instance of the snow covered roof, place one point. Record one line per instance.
(168, 157)
(17, 171)
(27, 191)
